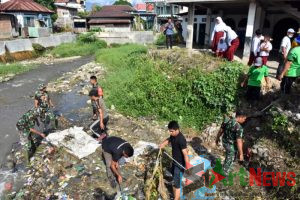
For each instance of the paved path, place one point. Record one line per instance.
(16, 97)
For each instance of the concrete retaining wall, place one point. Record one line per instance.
(21, 46)
(2, 48)
(54, 40)
(140, 37)
(14, 46)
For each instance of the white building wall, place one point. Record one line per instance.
(272, 18)
(200, 19)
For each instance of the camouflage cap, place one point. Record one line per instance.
(41, 86)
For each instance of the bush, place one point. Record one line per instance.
(87, 38)
(101, 44)
(78, 49)
(114, 45)
(86, 44)
(154, 87)
(38, 49)
(161, 40)
(95, 30)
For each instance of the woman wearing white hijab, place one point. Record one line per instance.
(217, 33)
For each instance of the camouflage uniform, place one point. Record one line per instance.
(25, 123)
(232, 131)
(43, 102)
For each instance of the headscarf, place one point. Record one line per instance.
(218, 27)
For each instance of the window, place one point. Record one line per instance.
(168, 10)
(195, 19)
(203, 19)
(28, 21)
(47, 21)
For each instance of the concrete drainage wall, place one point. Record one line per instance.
(22, 48)
(140, 37)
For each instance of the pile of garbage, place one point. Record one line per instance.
(69, 165)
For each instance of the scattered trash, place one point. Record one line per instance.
(75, 140)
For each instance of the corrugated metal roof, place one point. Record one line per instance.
(23, 6)
(119, 11)
(109, 21)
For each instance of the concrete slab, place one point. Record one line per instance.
(20, 45)
(2, 48)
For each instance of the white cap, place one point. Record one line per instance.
(258, 62)
(291, 30)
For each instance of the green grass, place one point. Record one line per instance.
(195, 91)
(77, 49)
(14, 68)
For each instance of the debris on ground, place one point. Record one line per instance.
(75, 140)
(66, 171)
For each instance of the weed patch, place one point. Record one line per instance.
(86, 44)
(15, 68)
(140, 84)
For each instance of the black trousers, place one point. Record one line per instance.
(286, 84)
(95, 127)
(253, 93)
(169, 41)
(281, 65)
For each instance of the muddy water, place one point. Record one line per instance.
(16, 97)
(69, 105)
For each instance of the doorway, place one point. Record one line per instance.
(195, 33)
(201, 38)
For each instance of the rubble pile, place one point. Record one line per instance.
(6, 77)
(56, 173)
(79, 77)
(48, 59)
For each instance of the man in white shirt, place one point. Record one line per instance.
(255, 46)
(284, 50)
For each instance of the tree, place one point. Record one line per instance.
(122, 2)
(47, 3)
(96, 8)
(83, 14)
(50, 5)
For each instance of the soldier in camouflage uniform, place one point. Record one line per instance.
(43, 101)
(232, 132)
(25, 126)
